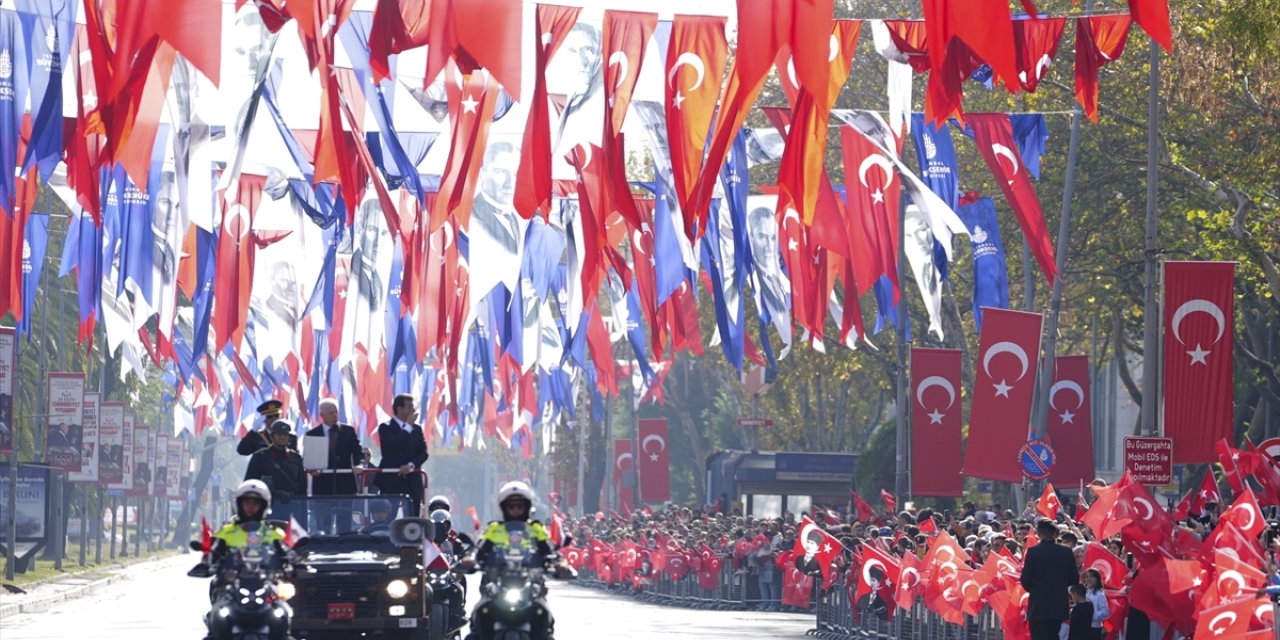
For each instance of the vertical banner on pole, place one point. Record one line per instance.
(935, 423)
(65, 413)
(1004, 377)
(90, 441)
(653, 462)
(8, 367)
(1070, 422)
(159, 464)
(176, 467)
(1199, 335)
(111, 444)
(141, 458)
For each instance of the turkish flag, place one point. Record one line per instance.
(1208, 492)
(623, 462)
(472, 100)
(1099, 40)
(935, 422)
(1070, 426)
(1199, 331)
(814, 542)
(908, 585)
(984, 26)
(1036, 43)
(890, 503)
(1153, 17)
(871, 194)
(695, 63)
(873, 558)
(1049, 505)
(1230, 620)
(1009, 348)
(1228, 536)
(533, 180)
(1109, 565)
(236, 250)
(1234, 577)
(655, 461)
(861, 509)
(626, 36)
(993, 134)
(1246, 514)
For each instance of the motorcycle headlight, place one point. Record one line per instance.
(286, 590)
(397, 589)
(511, 596)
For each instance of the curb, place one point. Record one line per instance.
(40, 604)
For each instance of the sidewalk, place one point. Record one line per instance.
(43, 595)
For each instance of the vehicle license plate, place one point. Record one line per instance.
(408, 622)
(342, 610)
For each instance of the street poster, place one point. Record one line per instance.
(64, 416)
(175, 465)
(111, 444)
(141, 459)
(8, 372)
(30, 499)
(127, 456)
(159, 464)
(90, 445)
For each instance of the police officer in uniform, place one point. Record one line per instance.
(280, 468)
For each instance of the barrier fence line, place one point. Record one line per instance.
(740, 590)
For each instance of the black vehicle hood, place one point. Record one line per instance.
(351, 561)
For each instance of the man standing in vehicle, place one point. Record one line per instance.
(404, 449)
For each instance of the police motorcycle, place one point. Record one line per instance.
(448, 588)
(246, 559)
(513, 591)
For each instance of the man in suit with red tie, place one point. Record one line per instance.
(404, 449)
(345, 452)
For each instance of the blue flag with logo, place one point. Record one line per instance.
(14, 72)
(49, 26)
(202, 306)
(34, 246)
(990, 274)
(937, 155)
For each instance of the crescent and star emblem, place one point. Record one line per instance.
(1199, 305)
(1002, 388)
(653, 437)
(1001, 150)
(866, 570)
(935, 416)
(692, 60)
(619, 58)
(876, 160)
(1231, 576)
(621, 458)
(1230, 618)
(1070, 385)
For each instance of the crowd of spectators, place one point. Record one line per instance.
(708, 546)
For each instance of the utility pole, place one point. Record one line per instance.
(1150, 306)
(900, 484)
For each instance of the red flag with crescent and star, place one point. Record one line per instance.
(1036, 43)
(1004, 380)
(935, 422)
(908, 585)
(1199, 330)
(1246, 514)
(695, 64)
(1070, 427)
(888, 565)
(815, 542)
(236, 251)
(654, 461)
(623, 461)
(1099, 40)
(1049, 505)
(871, 190)
(993, 135)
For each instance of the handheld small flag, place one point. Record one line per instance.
(206, 536)
(295, 533)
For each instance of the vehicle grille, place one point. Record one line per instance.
(318, 590)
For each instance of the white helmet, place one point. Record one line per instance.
(439, 502)
(253, 489)
(515, 489)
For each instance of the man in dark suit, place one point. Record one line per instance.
(258, 439)
(344, 453)
(1048, 570)
(403, 448)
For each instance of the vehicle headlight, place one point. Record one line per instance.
(224, 612)
(511, 596)
(286, 590)
(397, 589)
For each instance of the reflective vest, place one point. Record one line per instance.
(496, 534)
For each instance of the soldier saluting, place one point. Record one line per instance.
(257, 439)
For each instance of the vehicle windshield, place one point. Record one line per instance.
(341, 517)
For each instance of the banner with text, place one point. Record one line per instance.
(64, 415)
(141, 458)
(111, 444)
(89, 441)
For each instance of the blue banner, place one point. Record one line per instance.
(34, 246)
(50, 27)
(990, 274)
(937, 155)
(14, 72)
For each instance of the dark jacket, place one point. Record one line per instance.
(1047, 571)
(281, 470)
(400, 448)
(257, 440)
(1081, 622)
(344, 453)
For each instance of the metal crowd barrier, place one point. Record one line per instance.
(737, 590)
(835, 619)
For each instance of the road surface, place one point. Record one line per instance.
(157, 601)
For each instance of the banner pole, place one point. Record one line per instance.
(900, 485)
(1150, 308)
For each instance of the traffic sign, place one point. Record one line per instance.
(1149, 460)
(1271, 447)
(755, 422)
(1036, 458)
